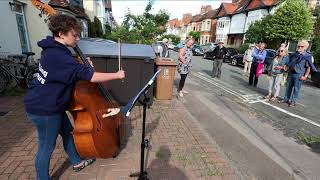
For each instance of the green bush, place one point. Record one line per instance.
(243, 48)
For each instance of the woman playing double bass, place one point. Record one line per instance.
(49, 94)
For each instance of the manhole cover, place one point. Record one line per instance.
(3, 113)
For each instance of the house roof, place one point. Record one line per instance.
(257, 4)
(244, 5)
(210, 14)
(196, 18)
(64, 4)
(187, 18)
(227, 9)
(174, 23)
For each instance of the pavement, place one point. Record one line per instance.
(179, 148)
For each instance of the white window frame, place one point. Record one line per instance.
(24, 24)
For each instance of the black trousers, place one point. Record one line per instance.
(253, 79)
(182, 81)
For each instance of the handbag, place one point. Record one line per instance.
(259, 70)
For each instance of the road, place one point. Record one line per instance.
(259, 137)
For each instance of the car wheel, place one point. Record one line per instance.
(234, 62)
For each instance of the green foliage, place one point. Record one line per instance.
(242, 49)
(195, 35)
(315, 49)
(143, 28)
(309, 140)
(95, 28)
(291, 22)
(174, 38)
(255, 32)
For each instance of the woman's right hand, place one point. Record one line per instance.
(120, 74)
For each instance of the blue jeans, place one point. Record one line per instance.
(48, 129)
(293, 87)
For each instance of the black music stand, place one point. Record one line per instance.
(142, 175)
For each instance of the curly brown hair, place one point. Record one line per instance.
(63, 23)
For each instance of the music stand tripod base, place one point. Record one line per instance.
(142, 175)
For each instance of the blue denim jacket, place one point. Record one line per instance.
(282, 62)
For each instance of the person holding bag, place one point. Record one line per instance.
(259, 55)
(275, 73)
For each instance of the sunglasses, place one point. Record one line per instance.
(300, 46)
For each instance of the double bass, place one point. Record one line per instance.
(98, 121)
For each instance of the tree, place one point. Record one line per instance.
(315, 49)
(143, 28)
(195, 35)
(291, 22)
(95, 28)
(255, 32)
(174, 38)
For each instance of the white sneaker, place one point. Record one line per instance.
(186, 92)
(180, 94)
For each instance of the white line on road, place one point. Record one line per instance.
(291, 114)
(250, 101)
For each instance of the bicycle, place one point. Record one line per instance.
(22, 75)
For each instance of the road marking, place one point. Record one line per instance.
(252, 98)
(291, 114)
(220, 86)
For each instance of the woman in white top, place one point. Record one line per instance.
(247, 59)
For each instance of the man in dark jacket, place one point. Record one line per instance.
(298, 71)
(219, 53)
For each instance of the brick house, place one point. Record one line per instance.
(174, 27)
(208, 27)
(185, 29)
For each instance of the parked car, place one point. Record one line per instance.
(197, 50)
(178, 46)
(229, 56)
(271, 54)
(208, 46)
(171, 46)
(315, 78)
(237, 59)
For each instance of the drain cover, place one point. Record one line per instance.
(3, 113)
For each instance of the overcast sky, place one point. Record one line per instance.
(176, 8)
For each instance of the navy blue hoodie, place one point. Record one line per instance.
(50, 92)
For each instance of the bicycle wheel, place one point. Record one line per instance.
(4, 81)
(33, 73)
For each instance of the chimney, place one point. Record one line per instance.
(205, 9)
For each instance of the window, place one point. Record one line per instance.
(21, 23)
(208, 25)
(99, 10)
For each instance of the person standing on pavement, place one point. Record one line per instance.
(49, 94)
(275, 73)
(184, 67)
(219, 53)
(298, 71)
(164, 50)
(259, 55)
(247, 59)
